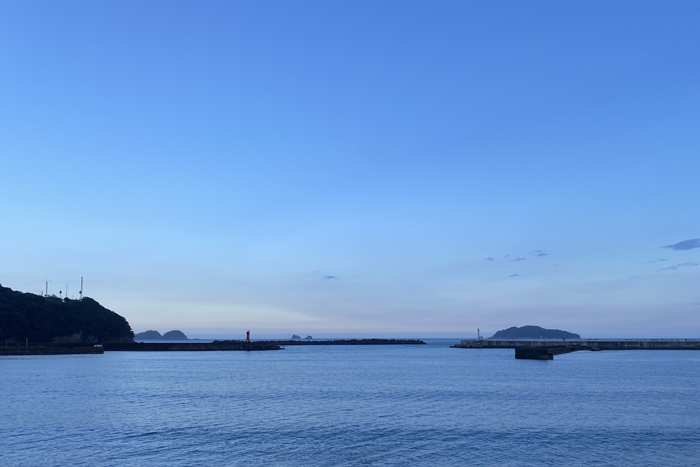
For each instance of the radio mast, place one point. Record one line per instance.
(81, 288)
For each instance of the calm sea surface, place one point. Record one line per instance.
(355, 405)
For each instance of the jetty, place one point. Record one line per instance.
(222, 345)
(352, 342)
(47, 349)
(547, 349)
(226, 345)
(191, 346)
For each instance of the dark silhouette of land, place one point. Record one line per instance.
(26, 316)
(533, 332)
(174, 335)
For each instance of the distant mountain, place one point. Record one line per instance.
(148, 336)
(295, 337)
(174, 335)
(52, 319)
(533, 332)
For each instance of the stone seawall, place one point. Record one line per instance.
(51, 350)
(546, 349)
(585, 344)
(191, 346)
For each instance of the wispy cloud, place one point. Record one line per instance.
(519, 259)
(328, 277)
(661, 260)
(514, 275)
(540, 253)
(684, 245)
(687, 264)
(490, 259)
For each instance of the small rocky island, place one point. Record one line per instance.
(296, 337)
(173, 335)
(533, 332)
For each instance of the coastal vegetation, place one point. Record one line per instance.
(52, 319)
(533, 332)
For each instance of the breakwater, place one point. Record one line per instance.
(353, 342)
(51, 350)
(546, 349)
(226, 345)
(223, 345)
(192, 346)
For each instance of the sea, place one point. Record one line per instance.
(415, 405)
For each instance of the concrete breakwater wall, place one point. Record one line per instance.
(353, 342)
(51, 350)
(225, 345)
(228, 345)
(587, 344)
(192, 346)
(546, 349)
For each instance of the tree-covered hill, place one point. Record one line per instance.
(533, 332)
(51, 319)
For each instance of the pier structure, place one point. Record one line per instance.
(547, 349)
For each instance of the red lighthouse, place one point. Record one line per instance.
(247, 336)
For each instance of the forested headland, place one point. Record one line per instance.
(52, 319)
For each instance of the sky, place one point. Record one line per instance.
(356, 168)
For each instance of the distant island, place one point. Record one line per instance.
(295, 337)
(37, 318)
(533, 332)
(308, 338)
(174, 335)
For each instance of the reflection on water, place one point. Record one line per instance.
(374, 405)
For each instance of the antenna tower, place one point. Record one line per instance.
(81, 288)
(47, 289)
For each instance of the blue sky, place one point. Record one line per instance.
(346, 168)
